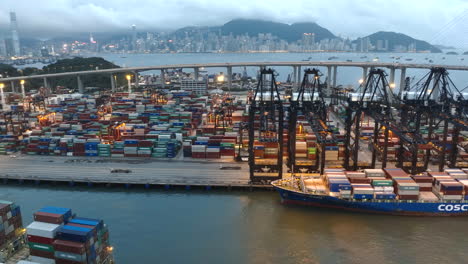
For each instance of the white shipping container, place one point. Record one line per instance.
(356, 174)
(363, 190)
(42, 260)
(374, 173)
(42, 229)
(26, 262)
(452, 197)
(411, 192)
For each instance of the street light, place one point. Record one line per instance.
(22, 88)
(129, 77)
(392, 85)
(361, 81)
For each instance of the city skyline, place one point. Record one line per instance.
(104, 16)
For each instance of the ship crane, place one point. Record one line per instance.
(309, 101)
(265, 128)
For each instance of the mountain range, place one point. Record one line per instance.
(295, 31)
(290, 33)
(287, 32)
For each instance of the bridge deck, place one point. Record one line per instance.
(242, 64)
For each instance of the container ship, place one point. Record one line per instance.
(381, 191)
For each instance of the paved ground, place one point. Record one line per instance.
(151, 171)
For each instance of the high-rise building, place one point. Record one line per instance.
(134, 38)
(14, 34)
(3, 50)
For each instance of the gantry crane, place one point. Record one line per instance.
(266, 115)
(436, 100)
(309, 101)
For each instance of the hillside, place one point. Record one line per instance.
(397, 39)
(287, 32)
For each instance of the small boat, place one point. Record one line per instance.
(409, 59)
(364, 57)
(332, 58)
(349, 60)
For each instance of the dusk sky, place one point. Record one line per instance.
(438, 22)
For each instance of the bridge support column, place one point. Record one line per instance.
(364, 75)
(329, 79)
(196, 71)
(402, 80)
(163, 79)
(112, 78)
(229, 78)
(335, 71)
(46, 84)
(299, 76)
(23, 91)
(137, 79)
(392, 78)
(2, 94)
(80, 84)
(13, 87)
(294, 78)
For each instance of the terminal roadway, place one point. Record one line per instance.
(242, 64)
(143, 171)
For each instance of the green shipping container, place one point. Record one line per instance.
(382, 183)
(42, 247)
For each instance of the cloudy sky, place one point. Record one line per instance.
(437, 21)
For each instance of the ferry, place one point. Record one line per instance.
(336, 192)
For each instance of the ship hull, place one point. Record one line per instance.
(375, 207)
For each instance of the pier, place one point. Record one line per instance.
(147, 173)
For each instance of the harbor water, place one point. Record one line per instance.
(347, 76)
(179, 226)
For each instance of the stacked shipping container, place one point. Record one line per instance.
(57, 237)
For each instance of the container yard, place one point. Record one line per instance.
(279, 130)
(56, 236)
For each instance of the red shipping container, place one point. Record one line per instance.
(66, 261)
(69, 246)
(41, 253)
(452, 192)
(4, 209)
(425, 189)
(48, 218)
(408, 197)
(360, 180)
